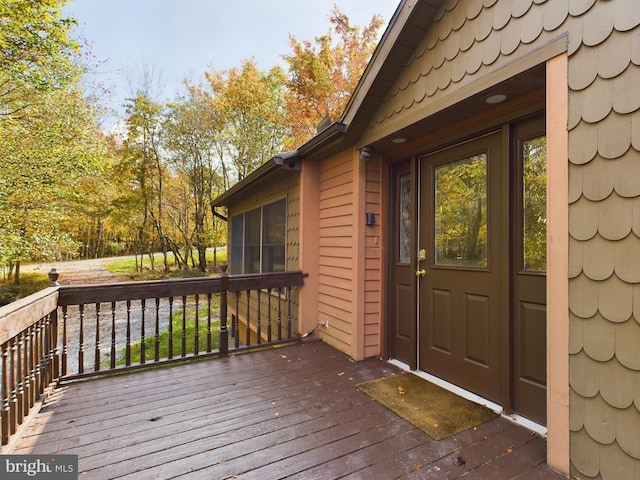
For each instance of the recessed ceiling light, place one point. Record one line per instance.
(496, 98)
(399, 140)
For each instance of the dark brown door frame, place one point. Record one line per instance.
(407, 166)
(508, 127)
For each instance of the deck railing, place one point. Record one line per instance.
(65, 333)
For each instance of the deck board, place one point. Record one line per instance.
(291, 412)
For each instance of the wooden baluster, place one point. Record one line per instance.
(288, 312)
(46, 361)
(65, 353)
(127, 346)
(97, 348)
(5, 415)
(37, 361)
(20, 410)
(113, 335)
(157, 333)
(259, 322)
(196, 334)
(143, 353)
(279, 321)
(248, 332)
(269, 315)
(223, 347)
(237, 323)
(81, 342)
(184, 326)
(29, 392)
(55, 371)
(209, 323)
(170, 327)
(35, 365)
(12, 387)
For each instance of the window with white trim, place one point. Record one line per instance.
(258, 239)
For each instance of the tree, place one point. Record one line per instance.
(250, 116)
(323, 75)
(45, 154)
(189, 143)
(36, 54)
(144, 156)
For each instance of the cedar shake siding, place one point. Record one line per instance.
(474, 44)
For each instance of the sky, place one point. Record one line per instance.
(178, 39)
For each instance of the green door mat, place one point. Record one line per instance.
(434, 410)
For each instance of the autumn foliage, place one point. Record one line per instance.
(323, 73)
(68, 189)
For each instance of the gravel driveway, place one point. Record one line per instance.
(85, 272)
(78, 272)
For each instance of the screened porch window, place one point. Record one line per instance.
(258, 239)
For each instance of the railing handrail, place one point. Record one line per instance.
(23, 313)
(121, 291)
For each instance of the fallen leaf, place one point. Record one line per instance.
(416, 468)
(509, 450)
(277, 414)
(459, 461)
(401, 390)
(436, 425)
(274, 402)
(350, 378)
(340, 374)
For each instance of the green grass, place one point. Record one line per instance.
(30, 282)
(190, 329)
(127, 267)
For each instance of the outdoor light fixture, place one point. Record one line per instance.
(365, 153)
(286, 159)
(370, 218)
(495, 98)
(398, 140)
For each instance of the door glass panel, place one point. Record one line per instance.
(404, 215)
(461, 212)
(534, 195)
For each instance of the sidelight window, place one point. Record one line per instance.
(534, 203)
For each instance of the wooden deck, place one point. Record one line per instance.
(291, 412)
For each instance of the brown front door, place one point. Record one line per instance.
(463, 230)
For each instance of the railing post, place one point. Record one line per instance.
(224, 333)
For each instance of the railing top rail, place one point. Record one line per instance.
(119, 291)
(21, 314)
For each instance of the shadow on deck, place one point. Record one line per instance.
(290, 412)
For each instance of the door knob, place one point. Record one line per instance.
(421, 273)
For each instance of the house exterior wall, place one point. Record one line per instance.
(337, 269)
(474, 44)
(289, 188)
(373, 265)
(271, 306)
